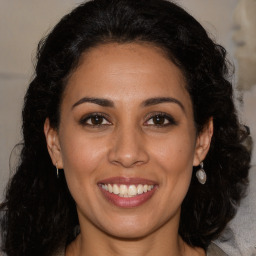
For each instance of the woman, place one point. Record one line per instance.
(131, 139)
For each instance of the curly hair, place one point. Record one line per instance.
(39, 214)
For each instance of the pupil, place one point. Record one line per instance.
(96, 120)
(158, 119)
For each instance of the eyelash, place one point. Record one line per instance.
(168, 120)
(85, 119)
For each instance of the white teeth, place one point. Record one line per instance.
(115, 189)
(110, 189)
(123, 190)
(140, 189)
(132, 191)
(105, 187)
(127, 191)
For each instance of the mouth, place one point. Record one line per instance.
(123, 190)
(127, 192)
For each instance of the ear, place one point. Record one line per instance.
(53, 145)
(203, 143)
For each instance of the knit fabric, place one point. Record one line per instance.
(239, 238)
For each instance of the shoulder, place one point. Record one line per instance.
(214, 250)
(239, 237)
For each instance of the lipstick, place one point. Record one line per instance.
(127, 192)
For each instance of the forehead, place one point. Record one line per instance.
(130, 71)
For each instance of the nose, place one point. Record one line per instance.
(128, 148)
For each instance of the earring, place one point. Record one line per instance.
(57, 170)
(201, 175)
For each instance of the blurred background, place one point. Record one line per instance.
(24, 23)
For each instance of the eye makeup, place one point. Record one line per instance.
(160, 119)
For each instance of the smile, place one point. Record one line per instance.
(127, 192)
(123, 190)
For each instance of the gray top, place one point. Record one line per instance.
(239, 238)
(213, 250)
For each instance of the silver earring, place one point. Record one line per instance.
(200, 174)
(57, 170)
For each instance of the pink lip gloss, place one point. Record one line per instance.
(133, 200)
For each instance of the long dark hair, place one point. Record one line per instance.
(39, 214)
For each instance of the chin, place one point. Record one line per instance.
(137, 227)
(130, 233)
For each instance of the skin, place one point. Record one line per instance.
(128, 143)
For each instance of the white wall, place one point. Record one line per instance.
(216, 16)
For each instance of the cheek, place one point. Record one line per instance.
(175, 152)
(81, 156)
(174, 157)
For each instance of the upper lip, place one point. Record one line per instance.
(127, 181)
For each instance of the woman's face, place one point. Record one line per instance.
(127, 140)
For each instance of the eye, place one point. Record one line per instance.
(160, 120)
(95, 119)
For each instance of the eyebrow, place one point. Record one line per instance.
(109, 103)
(98, 101)
(159, 100)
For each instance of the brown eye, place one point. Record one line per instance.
(94, 120)
(160, 120)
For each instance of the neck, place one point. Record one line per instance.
(164, 241)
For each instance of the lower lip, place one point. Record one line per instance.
(128, 202)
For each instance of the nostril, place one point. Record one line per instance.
(136, 158)
(128, 148)
(128, 163)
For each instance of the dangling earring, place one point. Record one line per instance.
(57, 170)
(201, 175)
